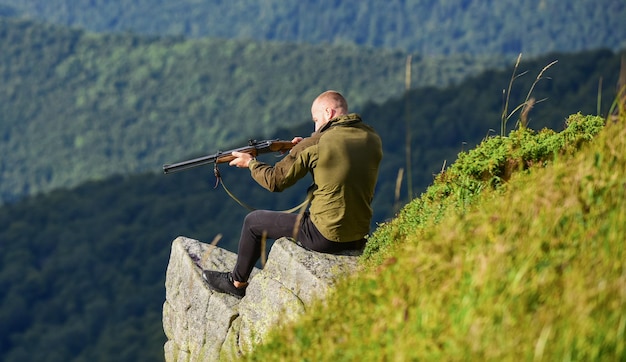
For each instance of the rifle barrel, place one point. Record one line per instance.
(184, 165)
(253, 148)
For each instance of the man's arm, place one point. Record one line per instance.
(291, 168)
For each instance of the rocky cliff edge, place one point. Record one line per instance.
(202, 325)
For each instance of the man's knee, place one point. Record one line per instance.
(252, 217)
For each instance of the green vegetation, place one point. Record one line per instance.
(488, 166)
(515, 253)
(82, 273)
(423, 26)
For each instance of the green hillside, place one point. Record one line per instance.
(75, 106)
(487, 268)
(425, 26)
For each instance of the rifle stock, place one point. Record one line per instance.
(254, 148)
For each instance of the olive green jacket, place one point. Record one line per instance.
(343, 158)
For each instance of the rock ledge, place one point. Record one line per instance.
(202, 325)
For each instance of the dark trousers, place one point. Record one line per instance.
(278, 224)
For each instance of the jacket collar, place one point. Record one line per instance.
(344, 120)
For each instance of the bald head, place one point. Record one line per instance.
(327, 106)
(332, 99)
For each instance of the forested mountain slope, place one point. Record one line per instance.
(82, 269)
(424, 26)
(76, 106)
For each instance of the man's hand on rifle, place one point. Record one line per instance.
(242, 159)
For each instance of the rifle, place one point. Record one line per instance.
(254, 148)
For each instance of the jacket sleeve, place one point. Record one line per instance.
(285, 173)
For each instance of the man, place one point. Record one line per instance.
(342, 155)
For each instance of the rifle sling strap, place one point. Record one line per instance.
(220, 181)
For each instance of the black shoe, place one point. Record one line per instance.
(223, 283)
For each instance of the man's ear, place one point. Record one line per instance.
(331, 113)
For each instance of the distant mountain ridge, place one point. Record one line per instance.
(423, 26)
